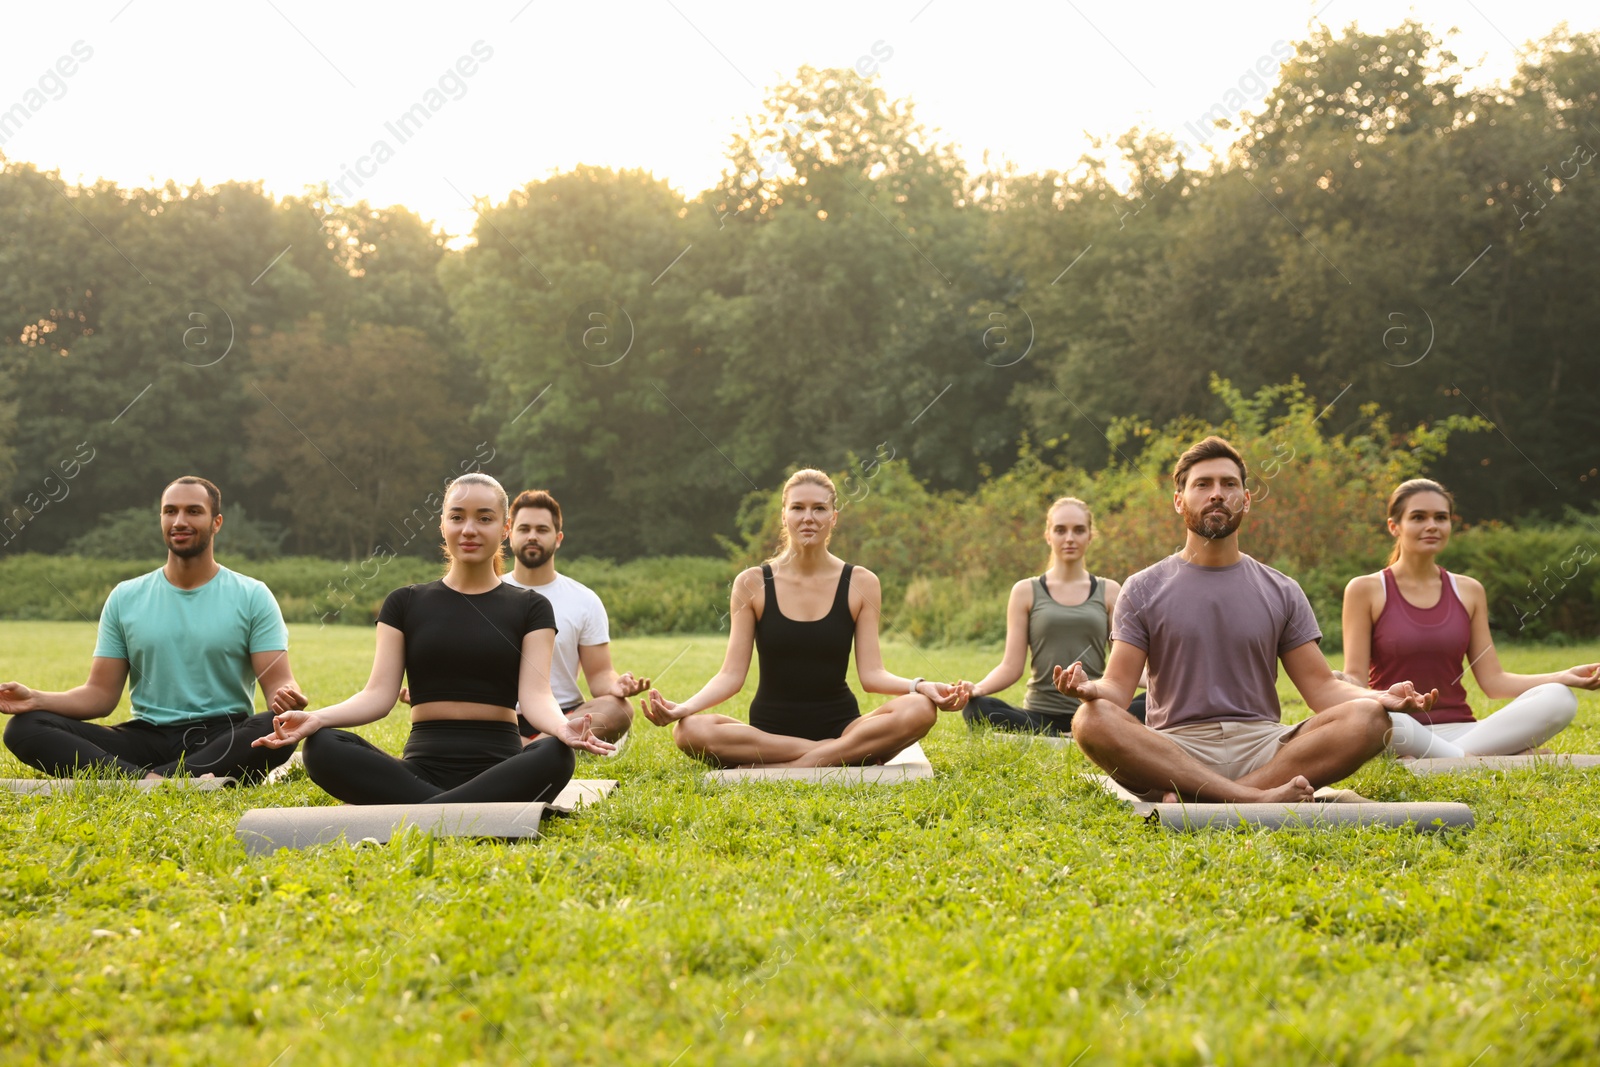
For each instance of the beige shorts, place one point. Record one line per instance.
(1232, 749)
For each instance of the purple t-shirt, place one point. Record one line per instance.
(1213, 636)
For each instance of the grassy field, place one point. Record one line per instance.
(1002, 912)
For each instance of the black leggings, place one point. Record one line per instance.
(217, 745)
(445, 762)
(1002, 716)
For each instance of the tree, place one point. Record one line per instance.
(360, 435)
(573, 298)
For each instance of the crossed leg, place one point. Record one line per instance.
(611, 718)
(1327, 747)
(874, 738)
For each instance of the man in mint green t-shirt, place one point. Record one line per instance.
(195, 638)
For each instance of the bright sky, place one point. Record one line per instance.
(294, 91)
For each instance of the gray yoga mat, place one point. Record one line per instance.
(911, 764)
(52, 786)
(1332, 807)
(263, 831)
(1483, 764)
(1422, 817)
(582, 793)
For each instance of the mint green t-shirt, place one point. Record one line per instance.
(188, 650)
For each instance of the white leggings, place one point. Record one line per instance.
(1527, 722)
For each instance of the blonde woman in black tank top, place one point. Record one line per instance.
(803, 612)
(1061, 616)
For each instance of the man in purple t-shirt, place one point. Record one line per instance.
(1212, 624)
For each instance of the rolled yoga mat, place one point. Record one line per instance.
(50, 786)
(1422, 817)
(582, 793)
(263, 831)
(910, 765)
(1482, 764)
(1333, 807)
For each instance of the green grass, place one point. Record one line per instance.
(1001, 912)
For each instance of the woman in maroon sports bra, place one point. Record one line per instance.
(803, 713)
(1416, 621)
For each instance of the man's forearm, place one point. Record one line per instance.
(1341, 689)
(602, 683)
(1119, 695)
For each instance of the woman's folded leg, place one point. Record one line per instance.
(1527, 722)
(538, 773)
(356, 771)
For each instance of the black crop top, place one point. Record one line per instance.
(462, 646)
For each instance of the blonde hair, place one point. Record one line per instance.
(478, 478)
(1063, 502)
(804, 476)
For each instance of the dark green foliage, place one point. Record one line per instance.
(135, 533)
(1382, 231)
(649, 596)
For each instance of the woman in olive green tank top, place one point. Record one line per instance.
(1054, 619)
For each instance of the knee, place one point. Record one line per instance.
(564, 761)
(319, 751)
(1369, 717)
(920, 715)
(17, 729)
(689, 734)
(1560, 699)
(1091, 720)
(618, 711)
(22, 728)
(1559, 702)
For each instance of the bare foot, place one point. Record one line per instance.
(1169, 797)
(1294, 791)
(153, 777)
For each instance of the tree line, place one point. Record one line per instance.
(848, 294)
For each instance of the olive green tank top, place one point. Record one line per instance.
(1059, 634)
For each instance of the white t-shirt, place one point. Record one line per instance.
(580, 622)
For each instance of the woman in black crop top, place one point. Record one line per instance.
(470, 648)
(803, 713)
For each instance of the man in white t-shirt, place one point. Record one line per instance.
(583, 636)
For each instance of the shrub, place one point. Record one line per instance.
(947, 558)
(135, 533)
(1542, 582)
(648, 596)
(62, 588)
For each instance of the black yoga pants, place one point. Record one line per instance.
(445, 762)
(1002, 716)
(219, 745)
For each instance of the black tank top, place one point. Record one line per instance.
(803, 692)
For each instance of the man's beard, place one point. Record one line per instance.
(531, 556)
(198, 543)
(1213, 525)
